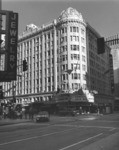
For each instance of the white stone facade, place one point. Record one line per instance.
(51, 52)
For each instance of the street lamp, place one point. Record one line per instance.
(69, 71)
(14, 89)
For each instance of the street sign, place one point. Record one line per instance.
(11, 43)
(11, 38)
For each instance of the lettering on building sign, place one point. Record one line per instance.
(11, 38)
(12, 41)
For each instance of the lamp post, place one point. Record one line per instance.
(14, 89)
(69, 71)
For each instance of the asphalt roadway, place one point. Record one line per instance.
(63, 133)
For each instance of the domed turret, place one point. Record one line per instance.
(70, 13)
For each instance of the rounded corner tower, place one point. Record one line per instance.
(71, 31)
(70, 14)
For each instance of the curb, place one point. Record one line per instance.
(14, 122)
(57, 119)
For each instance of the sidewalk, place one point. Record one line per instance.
(4, 122)
(53, 119)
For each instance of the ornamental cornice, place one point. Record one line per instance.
(70, 14)
(71, 21)
(30, 34)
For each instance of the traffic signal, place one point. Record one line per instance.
(1, 92)
(25, 65)
(100, 45)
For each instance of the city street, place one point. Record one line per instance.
(59, 75)
(63, 133)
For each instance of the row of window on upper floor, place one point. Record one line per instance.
(26, 46)
(51, 78)
(65, 86)
(64, 67)
(73, 38)
(76, 29)
(99, 66)
(77, 57)
(75, 86)
(97, 58)
(39, 49)
(72, 29)
(49, 61)
(50, 52)
(97, 73)
(74, 76)
(73, 47)
(49, 35)
(74, 67)
(97, 81)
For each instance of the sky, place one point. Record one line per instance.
(102, 15)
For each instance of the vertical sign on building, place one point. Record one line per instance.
(11, 39)
(11, 44)
(111, 73)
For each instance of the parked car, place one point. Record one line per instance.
(42, 116)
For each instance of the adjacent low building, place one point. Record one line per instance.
(113, 42)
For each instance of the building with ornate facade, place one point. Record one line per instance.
(60, 55)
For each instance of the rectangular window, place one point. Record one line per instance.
(84, 77)
(83, 49)
(75, 76)
(82, 39)
(74, 47)
(82, 31)
(77, 29)
(65, 29)
(75, 56)
(63, 57)
(78, 47)
(71, 56)
(72, 66)
(74, 29)
(48, 79)
(63, 76)
(71, 38)
(70, 29)
(65, 47)
(78, 57)
(48, 36)
(83, 67)
(77, 38)
(83, 58)
(71, 47)
(65, 39)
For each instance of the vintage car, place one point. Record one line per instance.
(42, 116)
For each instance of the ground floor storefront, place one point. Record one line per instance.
(64, 103)
(105, 103)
